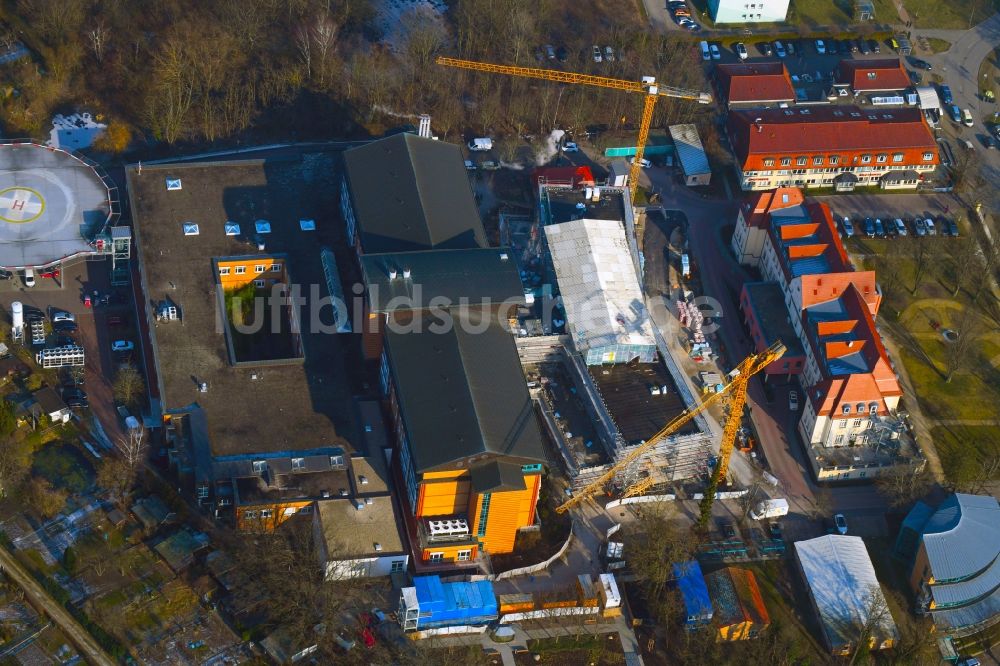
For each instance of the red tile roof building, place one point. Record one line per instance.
(847, 376)
(836, 146)
(880, 75)
(762, 83)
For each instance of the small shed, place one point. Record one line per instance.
(152, 512)
(618, 173)
(691, 154)
(52, 405)
(739, 607)
(697, 604)
(179, 548)
(928, 98)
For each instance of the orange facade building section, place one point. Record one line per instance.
(508, 512)
(266, 517)
(237, 272)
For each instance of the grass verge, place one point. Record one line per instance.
(951, 15)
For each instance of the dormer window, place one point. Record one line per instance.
(873, 408)
(298, 464)
(861, 408)
(847, 409)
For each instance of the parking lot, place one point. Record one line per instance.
(94, 330)
(907, 207)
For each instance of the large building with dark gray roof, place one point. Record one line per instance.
(406, 193)
(469, 442)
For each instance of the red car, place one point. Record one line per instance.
(54, 273)
(366, 634)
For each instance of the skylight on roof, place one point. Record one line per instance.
(262, 226)
(232, 229)
(191, 229)
(307, 225)
(173, 184)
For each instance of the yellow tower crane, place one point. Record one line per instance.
(733, 395)
(648, 86)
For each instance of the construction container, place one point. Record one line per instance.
(516, 603)
(431, 604)
(588, 593)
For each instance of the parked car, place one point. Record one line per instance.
(967, 118)
(75, 398)
(846, 46)
(793, 401)
(741, 51)
(946, 96)
(855, 45)
(931, 229)
(29, 277)
(869, 227)
(955, 113)
(571, 147)
(122, 346)
(989, 142)
(848, 227)
(562, 54)
(790, 47)
(879, 228)
(919, 226)
(921, 64)
(900, 227)
(952, 227)
(765, 48)
(820, 47)
(550, 52)
(65, 326)
(5, 274)
(644, 163)
(596, 53)
(714, 49)
(775, 529)
(62, 315)
(63, 341)
(609, 54)
(841, 523)
(831, 47)
(779, 49)
(874, 46)
(864, 47)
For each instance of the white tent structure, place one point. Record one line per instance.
(928, 98)
(845, 593)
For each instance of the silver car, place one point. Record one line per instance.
(900, 227)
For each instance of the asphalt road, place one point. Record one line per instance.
(41, 599)
(959, 66)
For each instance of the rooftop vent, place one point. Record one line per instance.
(173, 184)
(406, 273)
(392, 273)
(203, 387)
(359, 505)
(378, 547)
(369, 501)
(232, 229)
(191, 229)
(307, 225)
(504, 256)
(343, 492)
(262, 226)
(326, 493)
(363, 480)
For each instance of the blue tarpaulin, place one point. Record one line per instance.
(694, 591)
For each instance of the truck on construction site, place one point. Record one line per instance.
(481, 144)
(770, 508)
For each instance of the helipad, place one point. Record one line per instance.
(53, 205)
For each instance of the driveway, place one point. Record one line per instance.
(959, 66)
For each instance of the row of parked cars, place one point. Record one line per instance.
(791, 47)
(920, 225)
(682, 15)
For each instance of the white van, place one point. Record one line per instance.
(29, 277)
(481, 144)
(705, 54)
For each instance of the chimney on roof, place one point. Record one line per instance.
(392, 273)
(757, 124)
(406, 273)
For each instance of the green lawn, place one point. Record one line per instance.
(951, 15)
(64, 466)
(958, 445)
(813, 13)
(942, 400)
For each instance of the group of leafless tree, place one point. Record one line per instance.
(182, 70)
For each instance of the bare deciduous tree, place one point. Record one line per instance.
(902, 487)
(128, 385)
(97, 38)
(324, 36)
(958, 352)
